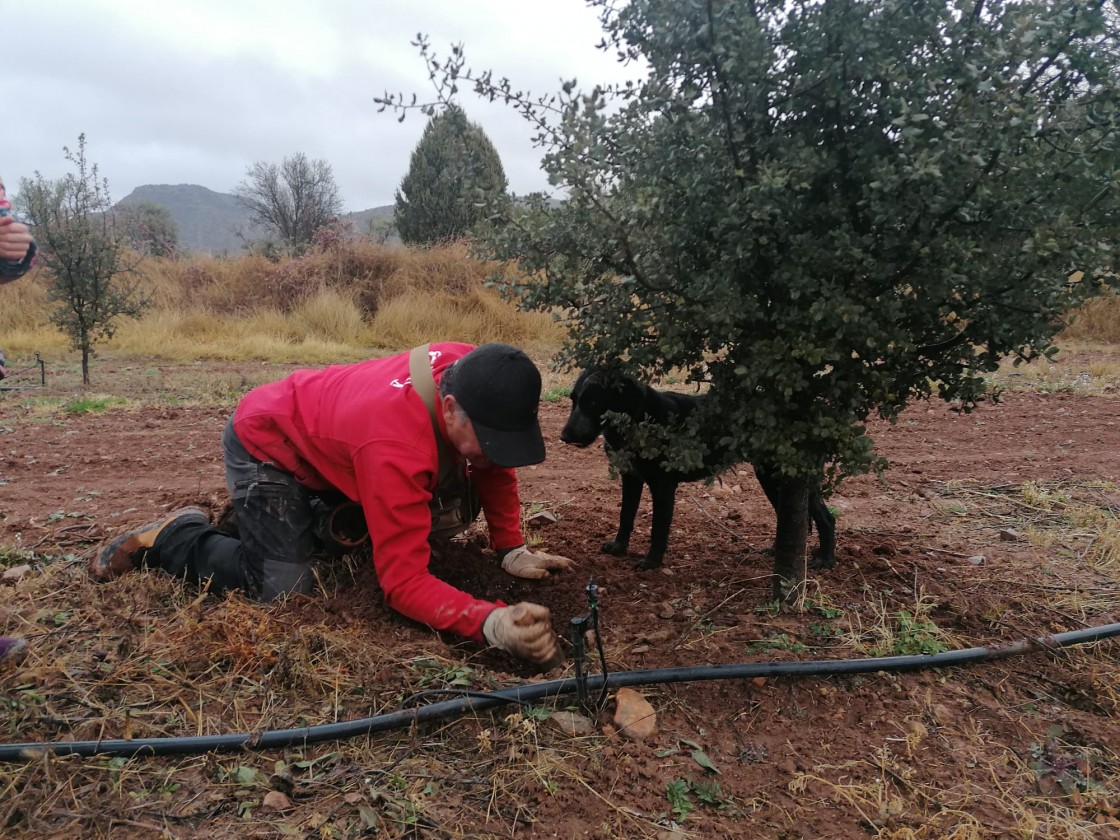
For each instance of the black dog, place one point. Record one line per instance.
(599, 390)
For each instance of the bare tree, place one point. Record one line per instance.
(292, 199)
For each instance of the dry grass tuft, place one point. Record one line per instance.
(1098, 319)
(475, 317)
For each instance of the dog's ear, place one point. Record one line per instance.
(596, 375)
(608, 374)
(580, 383)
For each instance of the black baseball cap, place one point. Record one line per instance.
(499, 388)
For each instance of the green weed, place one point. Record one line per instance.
(680, 792)
(779, 641)
(680, 802)
(1057, 769)
(432, 673)
(94, 404)
(915, 635)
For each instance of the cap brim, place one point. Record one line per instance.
(511, 449)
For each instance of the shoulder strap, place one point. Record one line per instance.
(420, 371)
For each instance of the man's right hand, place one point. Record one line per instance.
(524, 630)
(15, 239)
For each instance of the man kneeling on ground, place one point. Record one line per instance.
(366, 432)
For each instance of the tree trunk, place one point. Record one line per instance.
(85, 365)
(791, 506)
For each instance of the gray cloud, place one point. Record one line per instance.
(195, 91)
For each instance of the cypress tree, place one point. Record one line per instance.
(455, 180)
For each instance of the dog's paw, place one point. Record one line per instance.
(823, 560)
(615, 548)
(647, 563)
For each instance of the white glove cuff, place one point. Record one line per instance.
(488, 627)
(511, 557)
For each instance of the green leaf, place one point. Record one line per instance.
(326, 758)
(701, 758)
(368, 815)
(247, 776)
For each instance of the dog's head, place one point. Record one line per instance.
(597, 391)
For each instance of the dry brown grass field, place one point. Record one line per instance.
(346, 301)
(987, 528)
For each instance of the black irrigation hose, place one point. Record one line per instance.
(537, 691)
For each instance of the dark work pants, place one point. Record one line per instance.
(275, 520)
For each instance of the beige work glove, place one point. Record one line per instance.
(523, 563)
(524, 630)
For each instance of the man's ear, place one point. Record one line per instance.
(448, 405)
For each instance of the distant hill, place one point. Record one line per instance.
(210, 222)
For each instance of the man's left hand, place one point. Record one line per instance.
(523, 563)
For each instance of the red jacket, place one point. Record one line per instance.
(362, 430)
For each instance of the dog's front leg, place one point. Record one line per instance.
(824, 557)
(631, 494)
(664, 493)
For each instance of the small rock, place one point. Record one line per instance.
(942, 714)
(572, 724)
(649, 770)
(977, 559)
(16, 573)
(540, 518)
(758, 682)
(1009, 535)
(634, 716)
(666, 611)
(282, 781)
(274, 800)
(640, 649)
(917, 729)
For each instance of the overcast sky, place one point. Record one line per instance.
(195, 91)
